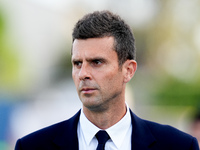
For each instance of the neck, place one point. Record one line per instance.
(107, 118)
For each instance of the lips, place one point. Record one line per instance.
(87, 90)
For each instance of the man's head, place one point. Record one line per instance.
(102, 59)
(106, 24)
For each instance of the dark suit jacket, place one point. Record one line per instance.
(146, 135)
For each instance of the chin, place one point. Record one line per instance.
(94, 107)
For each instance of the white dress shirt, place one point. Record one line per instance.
(120, 134)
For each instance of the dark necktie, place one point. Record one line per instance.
(102, 137)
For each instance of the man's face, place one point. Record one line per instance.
(98, 79)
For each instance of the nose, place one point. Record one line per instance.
(84, 72)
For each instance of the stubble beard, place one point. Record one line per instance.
(99, 103)
(93, 102)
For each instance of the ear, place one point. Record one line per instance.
(129, 67)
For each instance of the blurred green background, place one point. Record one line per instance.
(36, 88)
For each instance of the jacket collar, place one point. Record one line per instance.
(142, 137)
(68, 138)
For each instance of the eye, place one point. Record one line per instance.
(97, 62)
(77, 64)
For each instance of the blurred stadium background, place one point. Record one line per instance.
(36, 88)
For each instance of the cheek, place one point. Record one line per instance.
(74, 74)
(113, 79)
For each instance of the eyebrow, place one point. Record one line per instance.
(90, 59)
(96, 58)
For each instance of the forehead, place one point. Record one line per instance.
(93, 47)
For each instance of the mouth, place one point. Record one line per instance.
(88, 90)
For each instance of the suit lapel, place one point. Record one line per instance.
(142, 137)
(68, 139)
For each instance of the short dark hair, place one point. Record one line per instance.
(104, 23)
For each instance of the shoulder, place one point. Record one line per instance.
(159, 129)
(172, 136)
(57, 128)
(50, 133)
(164, 135)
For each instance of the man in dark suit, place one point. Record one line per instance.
(103, 59)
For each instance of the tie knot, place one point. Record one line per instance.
(102, 137)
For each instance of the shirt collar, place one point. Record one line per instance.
(119, 129)
(85, 124)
